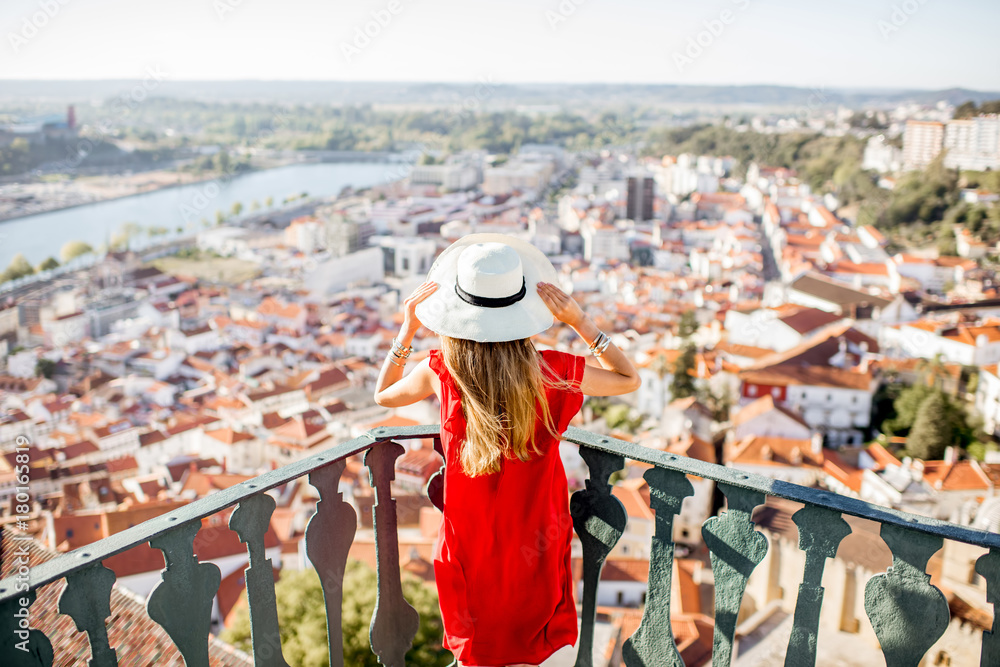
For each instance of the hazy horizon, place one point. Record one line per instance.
(903, 44)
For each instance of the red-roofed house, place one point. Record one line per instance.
(788, 459)
(966, 344)
(238, 450)
(765, 417)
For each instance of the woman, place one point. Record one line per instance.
(502, 560)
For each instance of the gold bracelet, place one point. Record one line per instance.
(402, 365)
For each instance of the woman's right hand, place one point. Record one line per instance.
(411, 323)
(564, 307)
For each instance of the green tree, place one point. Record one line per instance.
(932, 431)
(302, 620)
(18, 268)
(682, 385)
(237, 208)
(687, 325)
(220, 217)
(45, 367)
(222, 161)
(907, 407)
(49, 264)
(73, 249)
(126, 232)
(619, 416)
(269, 202)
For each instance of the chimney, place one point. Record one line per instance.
(951, 455)
(817, 443)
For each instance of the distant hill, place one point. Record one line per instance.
(491, 95)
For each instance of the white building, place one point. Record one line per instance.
(604, 242)
(969, 345)
(226, 241)
(445, 176)
(406, 257)
(973, 143)
(881, 156)
(988, 398)
(922, 142)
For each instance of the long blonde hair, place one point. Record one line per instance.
(502, 389)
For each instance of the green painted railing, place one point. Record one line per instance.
(908, 614)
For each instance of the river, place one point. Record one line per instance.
(42, 235)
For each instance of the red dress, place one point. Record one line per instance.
(502, 560)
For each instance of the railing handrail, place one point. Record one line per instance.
(92, 554)
(787, 490)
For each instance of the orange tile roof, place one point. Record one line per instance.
(958, 476)
(769, 450)
(761, 406)
(635, 506)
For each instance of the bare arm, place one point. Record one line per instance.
(393, 390)
(616, 374)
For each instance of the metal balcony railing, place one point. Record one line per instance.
(907, 613)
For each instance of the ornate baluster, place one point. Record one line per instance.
(820, 533)
(435, 485)
(736, 549)
(599, 519)
(395, 622)
(87, 600)
(182, 601)
(907, 613)
(653, 643)
(988, 567)
(22, 646)
(329, 535)
(250, 520)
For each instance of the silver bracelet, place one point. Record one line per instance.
(600, 344)
(399, 350)
(598, 351)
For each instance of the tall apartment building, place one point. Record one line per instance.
(639, 204)
(973, 143)
(922, 142)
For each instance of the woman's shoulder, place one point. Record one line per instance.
(564, 365)
(436, 362)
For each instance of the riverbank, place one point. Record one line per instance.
(23, 200)
(180, 209)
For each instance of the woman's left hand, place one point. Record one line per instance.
(410, 321)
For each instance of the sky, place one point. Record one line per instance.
(927, 44)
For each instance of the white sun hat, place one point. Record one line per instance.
(487, 290)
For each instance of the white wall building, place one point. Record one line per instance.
(973, 143)
(922, 142)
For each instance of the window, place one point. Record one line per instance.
(621, 598)
(406, 263)
(752, 390)
(69, 533)
(854, 399)
(829, 398)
